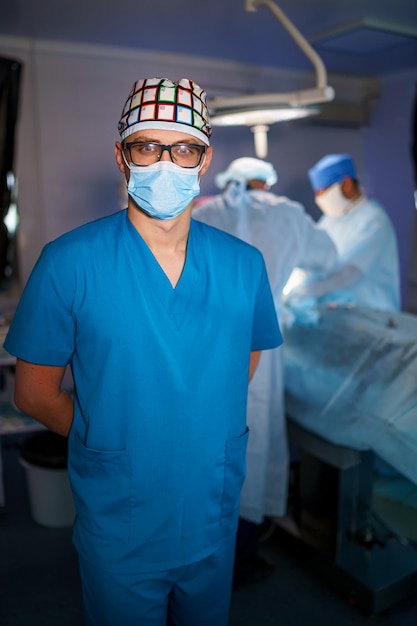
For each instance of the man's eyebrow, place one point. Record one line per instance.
(187, 141)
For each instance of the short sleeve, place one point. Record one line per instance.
(42, 329)
(266, 333)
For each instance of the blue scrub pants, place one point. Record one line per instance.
(191, 595)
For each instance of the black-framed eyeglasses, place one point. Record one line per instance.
(144, 153)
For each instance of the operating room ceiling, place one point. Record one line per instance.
(361, 37)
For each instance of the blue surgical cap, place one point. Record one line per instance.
(331, 169)
(247, 168)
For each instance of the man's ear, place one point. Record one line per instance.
(207, 160)
(348, 187)
(119, 157)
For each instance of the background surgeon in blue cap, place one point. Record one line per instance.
(364, 237)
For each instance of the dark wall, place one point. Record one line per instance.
(10, 75)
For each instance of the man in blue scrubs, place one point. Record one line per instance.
(161, 319)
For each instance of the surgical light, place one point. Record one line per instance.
(258, 111)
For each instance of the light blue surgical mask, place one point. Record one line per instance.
(163, 190)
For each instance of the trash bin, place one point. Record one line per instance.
(44, 457)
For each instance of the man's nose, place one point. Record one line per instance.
(166, 154)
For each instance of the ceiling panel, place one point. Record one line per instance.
(364, 37)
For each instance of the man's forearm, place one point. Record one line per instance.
(56, 415)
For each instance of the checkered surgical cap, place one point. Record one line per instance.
(163, 104)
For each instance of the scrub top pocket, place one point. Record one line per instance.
(101, 488)
(234, 475)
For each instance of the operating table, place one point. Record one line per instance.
(351, 397)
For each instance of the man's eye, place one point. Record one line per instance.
(184, 150)
(145, 148)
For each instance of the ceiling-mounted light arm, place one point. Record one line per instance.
(260, 132)
(260, 110)
(321, 74)
(303, 97)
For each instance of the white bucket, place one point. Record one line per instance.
(50, 497)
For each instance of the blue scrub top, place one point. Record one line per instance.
(157, 445)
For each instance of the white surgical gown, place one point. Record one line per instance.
(366, 240)
(288, 237)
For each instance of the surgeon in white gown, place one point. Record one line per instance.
(288, 237)
(368, 273)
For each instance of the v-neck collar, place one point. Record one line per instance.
(175, 300)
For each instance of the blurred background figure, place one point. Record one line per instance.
(364, 236)
(368, 274)
(288, 237)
